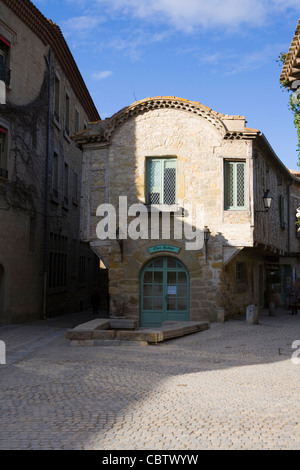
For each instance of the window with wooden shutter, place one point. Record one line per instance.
(161, 174)
(235, 185)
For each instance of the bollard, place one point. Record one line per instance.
(252, 315)
(271, 309)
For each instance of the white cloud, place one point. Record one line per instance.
(80, 24)
(232, 62)
(101, 75)
(187, 15)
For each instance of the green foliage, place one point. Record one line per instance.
(295, 108)
(281, 58)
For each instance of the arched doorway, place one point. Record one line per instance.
(2, 272)
(165, 288)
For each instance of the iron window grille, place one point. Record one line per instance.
(161, 175)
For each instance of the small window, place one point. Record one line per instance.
(5, 73)
(161, 174)
(235, 185)
(55, 173)
(241, 273)
(76, 121)
(75, 188)
(3, 153)
(58, 255)
(66, 183)
(56, 98)
(67, 114)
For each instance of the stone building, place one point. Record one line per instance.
(45, 268)
(174, 207)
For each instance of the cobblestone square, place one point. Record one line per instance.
(233, 386)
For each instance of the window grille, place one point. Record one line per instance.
(235, 185)
(161, 180)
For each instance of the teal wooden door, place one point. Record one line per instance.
(164, 292)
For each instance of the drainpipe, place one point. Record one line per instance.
(45, 266)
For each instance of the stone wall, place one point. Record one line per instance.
(118, 169)
(22, 194)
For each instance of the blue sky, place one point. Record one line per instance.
(221, 53)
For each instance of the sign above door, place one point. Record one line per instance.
(169, 248)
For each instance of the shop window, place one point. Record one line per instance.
(235, 185)
(161, 176)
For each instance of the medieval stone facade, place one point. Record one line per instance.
(45, 269)
(185, 166)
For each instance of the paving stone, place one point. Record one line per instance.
(223, 388)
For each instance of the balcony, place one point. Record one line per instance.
(5, 74)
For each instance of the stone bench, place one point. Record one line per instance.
(125, 330)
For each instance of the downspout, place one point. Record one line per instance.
(45, 264)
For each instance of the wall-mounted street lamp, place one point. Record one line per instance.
(206, 238)
(267, 200)
(120, 242)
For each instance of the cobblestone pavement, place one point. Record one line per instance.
(234, 386)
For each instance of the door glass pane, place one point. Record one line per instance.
(171, 303)
(158, 263)
(171, 277)
(158, 290)
(172, 263)
(148, 277)
(158, 277)
(182, 304)
(182, 277)
(182, 291)
(147, 303)
(148, 290)
(157, 303)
